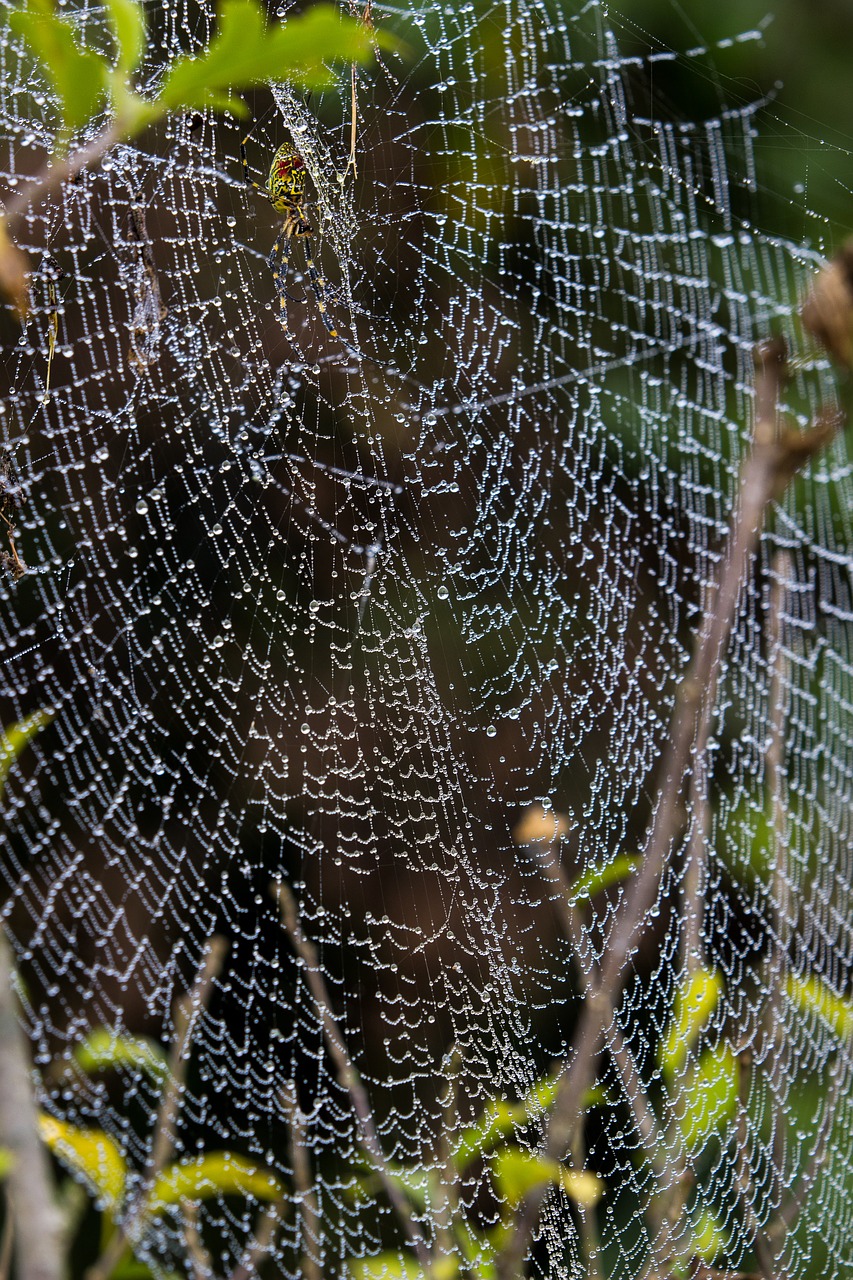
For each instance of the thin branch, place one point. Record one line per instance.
(776, 455)
(264, 1236)
(777, 1050)
(661, 1208)
(348, 1077)
(309, 1267)
(200, 1260)
(52, 177)
(30, 1191)
(743, 1173)
(7, 1241)
(187, 1011)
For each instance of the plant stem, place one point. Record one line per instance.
(187, 1011)
(53, 175)
(776, 455)
(309, 1267)
(348, 1077)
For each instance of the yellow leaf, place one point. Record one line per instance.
(814, 996)
(90, 1152)
(517, 1173)
(14, 274)
(539, 824)
(13, 740)
(219, 1173)
(696, 999)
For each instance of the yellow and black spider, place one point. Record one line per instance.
(285, 190)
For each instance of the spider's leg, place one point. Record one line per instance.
(279, 267)
(247, 176)
(279, 260)
(318, 286)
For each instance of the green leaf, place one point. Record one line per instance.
(500, 1120)
(91, 1153)
(7, 1160)
(601, 876)
(127, 20)
(103, 1050)
(219, 1173)
(245, 52)
(696, 998)
(13, 741)
(709, 1096)
(813, 996)
(77, 76)
(517, 1173)
(708, 1238)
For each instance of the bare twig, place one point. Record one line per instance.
(309, 1266)
(186, 1014)
(660, 1210)
(777, 454)
(7, 1240)
(348, 1077)
(30, 1192)
(201, 1263)
(777, 1049)
(264, 1236)
(52, 177)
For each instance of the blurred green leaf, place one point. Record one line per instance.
(600, 876)
(709, 1096)
(13, 741)
(7, 1160)
(708, 1238)
(104, 1049)
(91, 1153)
(516, 1173)
(696, 998)
(812, 995)
(127, 19)
(246, 51)
(219, 1173)
(77, 76)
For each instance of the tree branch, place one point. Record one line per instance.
(348, 1077)
(776, 455)
(32, 1208)
(187, 1011)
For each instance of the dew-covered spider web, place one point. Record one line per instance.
(362, 654)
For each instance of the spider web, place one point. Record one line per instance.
(401, 627)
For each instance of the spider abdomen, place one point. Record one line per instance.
(286, 182)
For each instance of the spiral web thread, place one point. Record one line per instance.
(401, 636)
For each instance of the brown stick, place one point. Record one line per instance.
(775, 457)
(264, 1235)
(348, 1077)
(201, 1263)
(654, 1143)
(52, 177)
(309, 1266)
(31, 1204)
(186, 1013)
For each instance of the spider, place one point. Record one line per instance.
(285, 190)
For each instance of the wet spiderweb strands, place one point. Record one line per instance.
(398, 636)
